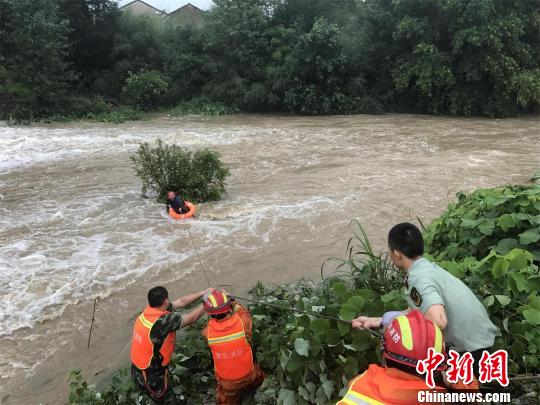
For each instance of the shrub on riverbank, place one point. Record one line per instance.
(145, 90)
(198, 176)
(309, 359)
(501, 219)
(203, 106)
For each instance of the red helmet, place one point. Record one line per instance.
(408, 338)
(217, 302)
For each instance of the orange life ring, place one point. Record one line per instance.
(188, 214)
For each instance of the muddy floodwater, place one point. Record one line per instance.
(73, 225)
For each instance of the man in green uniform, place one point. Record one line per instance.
(443, 298)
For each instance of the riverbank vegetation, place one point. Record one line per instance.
(488, 238)
(197, 176)
(298, 56)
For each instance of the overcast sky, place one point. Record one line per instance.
(170, 5)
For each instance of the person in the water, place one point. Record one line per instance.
(177, 203)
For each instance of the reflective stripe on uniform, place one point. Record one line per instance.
(354, 398)
(438, 340)
(406, 333)
(227, 338)
(146, 322)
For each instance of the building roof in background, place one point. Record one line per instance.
(127, 3)
(184, 6)
(170, 5)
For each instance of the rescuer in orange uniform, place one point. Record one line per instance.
(406, 341)
(154, 337)
(228, 334)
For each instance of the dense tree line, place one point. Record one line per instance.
(471, 57)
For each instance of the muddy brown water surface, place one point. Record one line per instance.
(73, 226)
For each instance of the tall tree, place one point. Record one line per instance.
(33, 49)
(93, 27)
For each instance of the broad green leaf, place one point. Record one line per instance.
(529, 236)
(357, 302)
(504, 300)
(320, 326)
(284, 358)
(340, 289)
(506, 222)
(519, 258)
(362, 341)
(489, 301)
(506, 245)
(453, 268)
(286, 397)
(304, 393)
(469, 223)
(392, 295)
(302, 347)
(521, 283)
(532, 315)
(295, 362)
(347, 312)
(333, 337)
(351, 366)
(505, 324)
(500, 267)
(534, 300)
(328, 388)
(343, 328)
(486, 227)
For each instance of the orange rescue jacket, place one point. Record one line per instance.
(228, 341)
(384, 386)
(142, 348)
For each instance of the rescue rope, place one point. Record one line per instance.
(91, 324)
(315, 314)
(200, 260)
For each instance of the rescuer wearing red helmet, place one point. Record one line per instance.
(405, 341)
(153, 340)
(228, 334)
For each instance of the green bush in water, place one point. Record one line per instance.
(198, 176)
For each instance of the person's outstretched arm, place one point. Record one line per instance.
(366, 322)
(193, 316)
(189, 299)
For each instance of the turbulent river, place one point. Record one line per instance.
(73, 225)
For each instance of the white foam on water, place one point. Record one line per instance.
(25, 146)
(67, 257)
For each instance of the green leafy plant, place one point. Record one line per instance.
(368, 268)
(198, 176)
